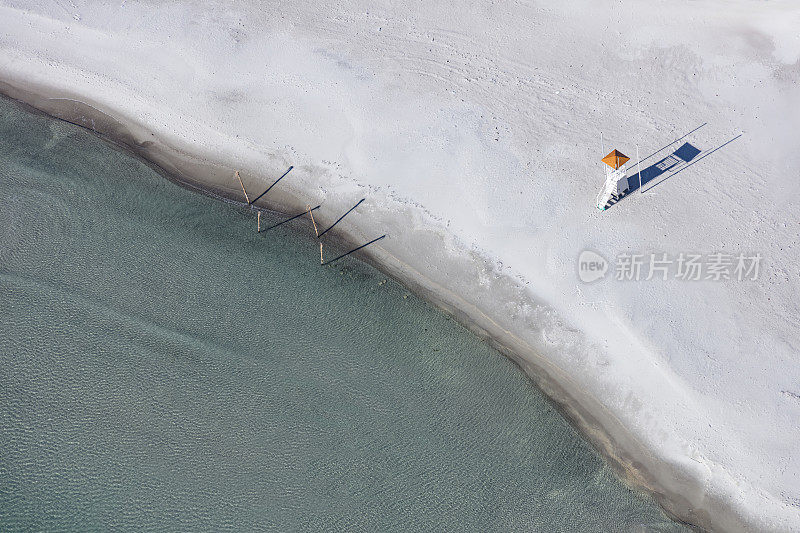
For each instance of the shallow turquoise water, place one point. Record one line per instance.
(164, 367)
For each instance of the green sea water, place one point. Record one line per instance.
(164, 367)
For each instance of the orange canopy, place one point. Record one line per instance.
(615, 159)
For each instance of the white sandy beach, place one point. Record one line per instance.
(474, 133)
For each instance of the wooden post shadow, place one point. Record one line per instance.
(270, 187)
(347, 253)
(291, 218)
(340, 219)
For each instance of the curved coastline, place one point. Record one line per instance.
(680, 490)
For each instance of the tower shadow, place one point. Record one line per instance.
(660, 171)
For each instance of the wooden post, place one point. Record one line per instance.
(259, 222)
(308, 207)
(243, 189)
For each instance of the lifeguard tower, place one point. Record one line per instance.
(616, 182)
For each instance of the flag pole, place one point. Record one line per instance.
(639, 169)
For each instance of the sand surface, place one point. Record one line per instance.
(474, 135)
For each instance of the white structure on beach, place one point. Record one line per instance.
(616, 182)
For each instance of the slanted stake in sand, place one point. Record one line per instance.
(247, 198)
(310, 212)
